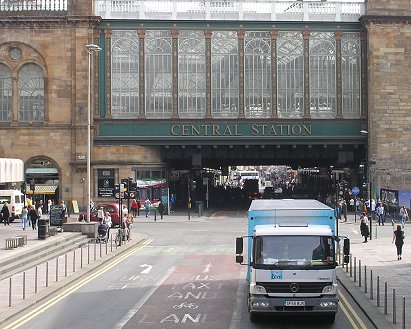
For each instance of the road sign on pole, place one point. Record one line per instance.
(355, 190)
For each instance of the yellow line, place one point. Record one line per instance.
(32, 314)
(360, 322)
(347, 314)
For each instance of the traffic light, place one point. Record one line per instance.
(125, 182)
(193, 185)
(23, 187)
(32, 185)
(340, 188)
(133, 186)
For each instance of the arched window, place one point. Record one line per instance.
(322, 76)
(124, 75)
(191, 75)
(350, 75)
(158, 66)
(224, 75)
(290, 70)
(6, 93)
(31, 93)
(257, 75)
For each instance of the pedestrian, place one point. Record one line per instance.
(398, 238)
(107, 221)
(24, 215)
(100, 213)
(134, 207)
(161, 209)
(172, 202)
(124, 210)
(364, 227)
(147, 206)
(380, 214)
(49, 204)
(33, 217)
(40, 211)
(5, 213)
(404, 215)
(344, 209)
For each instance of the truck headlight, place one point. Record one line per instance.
(328, 304)
(258, 290)
(328, 289)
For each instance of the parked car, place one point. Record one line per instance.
(111, 207)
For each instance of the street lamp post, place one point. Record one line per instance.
(91, 48)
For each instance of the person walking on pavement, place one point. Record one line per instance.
(161, 209)
(5, 212)
(147, 206)
(364, 227)
(100, 213)
(33, 217)
(404, 215)
(380, 214)
(134, 207)
(344, 209)
(24, 214)
(172, 202)
(398, 238)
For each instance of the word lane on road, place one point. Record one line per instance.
(200, 293)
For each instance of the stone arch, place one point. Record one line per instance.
(47, 176)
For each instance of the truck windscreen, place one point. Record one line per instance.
(293, 251)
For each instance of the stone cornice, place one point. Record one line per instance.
(47, 22)
(380, 19)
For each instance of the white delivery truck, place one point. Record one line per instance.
(15, 202)
(291, 258)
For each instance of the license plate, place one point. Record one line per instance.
(294, 303)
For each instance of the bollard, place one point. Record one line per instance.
(385, 298)
(65, 264)
(88, 253)
(371, 286)
(350, 265)
(47, 274)
(394, 306)
(365, 279)
(376, 232)
(111, 242)
(35, 279)
(57, 269)
(106, 248)
(378, 291)
(74, 260)
(95, 249)
(359, 273)
(81, 256)
(24, 285)
(100, 250)
(355, 269)
(10, 292)
(403, 312)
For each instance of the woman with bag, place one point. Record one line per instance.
(364, 227)
(398, 238)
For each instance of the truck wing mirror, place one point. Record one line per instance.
(239, 246)
(239, 259)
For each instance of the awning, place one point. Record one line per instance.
(42, 189)
(11, 170)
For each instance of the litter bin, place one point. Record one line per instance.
(43, 229)
(199, 208)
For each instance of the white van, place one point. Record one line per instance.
(15, 201)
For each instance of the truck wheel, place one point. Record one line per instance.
(329, 318)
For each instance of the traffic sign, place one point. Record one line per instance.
(355, 190)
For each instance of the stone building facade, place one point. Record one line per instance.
(55, 43)
(388, 25)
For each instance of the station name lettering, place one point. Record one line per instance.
(235, 130)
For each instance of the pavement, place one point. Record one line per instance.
(378, 255)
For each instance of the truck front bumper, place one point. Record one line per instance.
(312, 305)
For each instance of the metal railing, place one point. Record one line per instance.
(33, 5)
(365, 280)
(268, 10)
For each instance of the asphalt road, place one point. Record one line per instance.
(185, 277)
